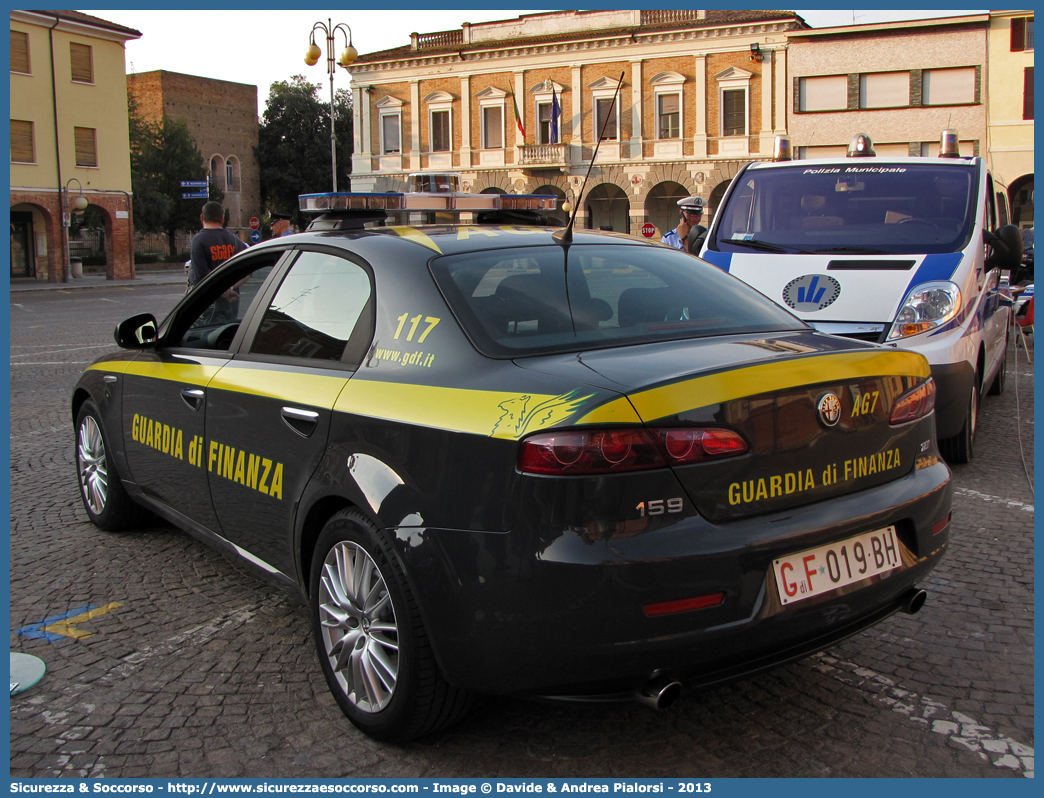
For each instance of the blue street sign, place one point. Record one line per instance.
(194, 183)
(194, 195)
(255, 236)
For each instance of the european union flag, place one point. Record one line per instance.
(556, 112)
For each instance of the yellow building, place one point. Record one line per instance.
(1010, 107)
(69, 136)
(685, 98)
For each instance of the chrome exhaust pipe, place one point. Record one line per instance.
(913, 600)
(659, 692)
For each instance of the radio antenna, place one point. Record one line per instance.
(565, 236)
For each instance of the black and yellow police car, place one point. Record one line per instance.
(494, 458)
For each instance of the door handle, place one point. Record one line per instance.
(303, 422)
(193, 397)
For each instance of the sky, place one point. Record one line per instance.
(260, 47)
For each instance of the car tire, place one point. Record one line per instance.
(106, 501)
(960, 448)
(388, 683)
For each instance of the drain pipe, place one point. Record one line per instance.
(58, 160)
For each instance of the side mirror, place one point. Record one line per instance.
(1006, 244)
(137, 332)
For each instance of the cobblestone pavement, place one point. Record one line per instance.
(202, 670)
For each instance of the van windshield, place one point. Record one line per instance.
(514, 302)
(869, 207)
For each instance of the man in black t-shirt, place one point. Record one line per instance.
(212, 245)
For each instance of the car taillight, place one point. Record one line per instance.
(696, 444)
(577, 452)
(914, 405)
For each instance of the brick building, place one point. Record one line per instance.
(700, 94)
(222, 119)
(902, 83)
(69, 138)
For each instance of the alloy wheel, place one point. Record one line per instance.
(359, 633)
(92, 464)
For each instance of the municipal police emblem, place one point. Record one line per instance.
(811, 292)
(829, 407)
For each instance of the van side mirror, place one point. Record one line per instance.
(137, 332)
(1006, 246)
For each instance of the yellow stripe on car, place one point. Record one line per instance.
(497, 414)
(194, 373)
(318, 390)
(725, 386)
(416, 236)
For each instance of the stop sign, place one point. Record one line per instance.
(648, 229)
(254, 223)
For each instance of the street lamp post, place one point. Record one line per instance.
(347, 57)
(79, 206)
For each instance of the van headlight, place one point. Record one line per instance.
(928, 306)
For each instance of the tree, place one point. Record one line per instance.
(162, 155)
(294, 144)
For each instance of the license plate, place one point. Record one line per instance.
(820, 570)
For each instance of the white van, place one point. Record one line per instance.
(903, 252)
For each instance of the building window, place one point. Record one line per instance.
(391, 133)
(440, 121)
(493, 127)
(230, 176)
(22, 148)
(548, 124)
(1027, 93)
(441, 140)
(82, 63)
(20, 52)
(733, 100)
(607, 118)
(1021, 34)
(948, 86)
(668, 114)
(884, 90)
(828, 93)
(734, 112)
(86, 146)
(543, 112)
(667, 94)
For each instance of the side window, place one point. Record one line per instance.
(316, 312)
(216, 323)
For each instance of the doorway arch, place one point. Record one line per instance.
(607, 208)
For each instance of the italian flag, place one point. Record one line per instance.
(518, 118)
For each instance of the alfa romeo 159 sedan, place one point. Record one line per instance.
(493, 460)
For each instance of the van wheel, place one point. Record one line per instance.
(959, 448)
(371, 642)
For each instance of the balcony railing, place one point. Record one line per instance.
(666, 17)
(449, 38)
(544, 155)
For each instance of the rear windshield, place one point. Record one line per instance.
(867, 207)
(514, 302)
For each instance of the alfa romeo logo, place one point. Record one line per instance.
(829, 409)
(811, 292)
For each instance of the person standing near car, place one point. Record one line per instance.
(689, 233)
(212, 245)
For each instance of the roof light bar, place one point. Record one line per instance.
(861, 147)
(407, 202)
(949, 145)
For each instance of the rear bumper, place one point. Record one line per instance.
(557, 610)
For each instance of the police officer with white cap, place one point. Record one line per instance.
(689, 233)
